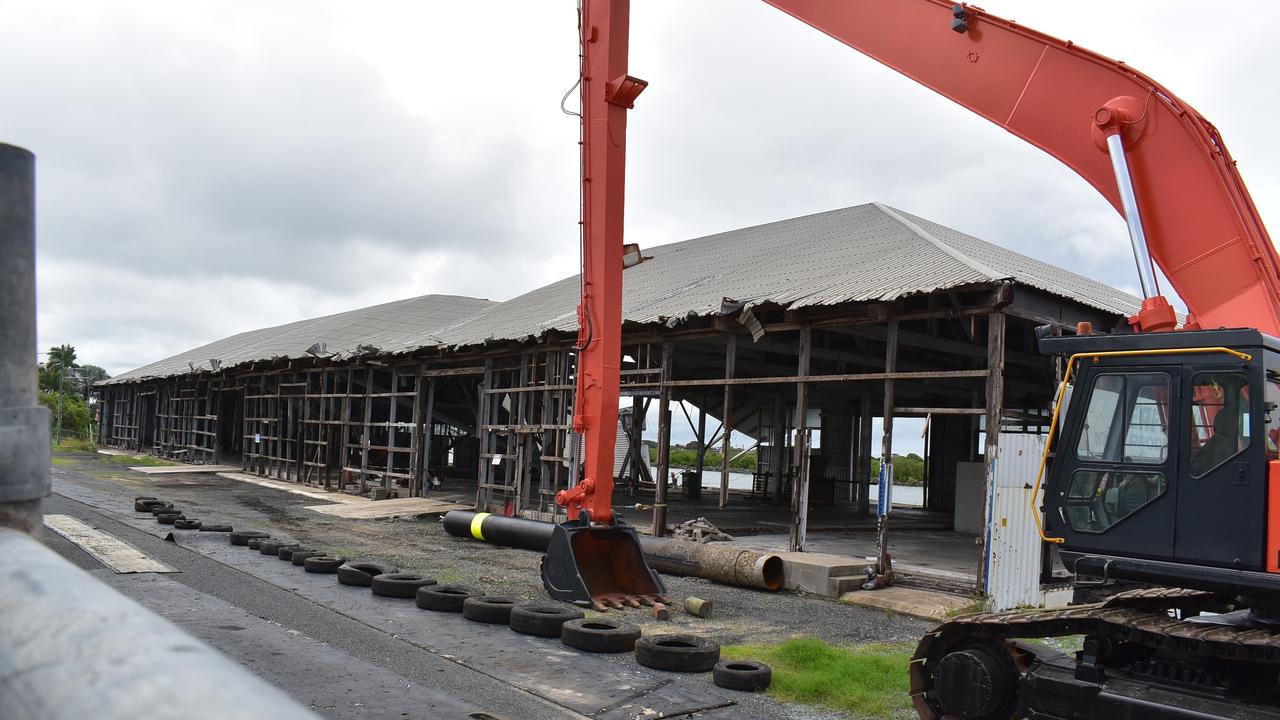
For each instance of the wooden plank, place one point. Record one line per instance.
(664, 446)
(995, 404)
(800, 488)
(401, 507)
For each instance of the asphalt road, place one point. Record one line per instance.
(339, 667)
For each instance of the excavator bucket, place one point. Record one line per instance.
(599, 566)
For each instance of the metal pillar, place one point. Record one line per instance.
(24, 425)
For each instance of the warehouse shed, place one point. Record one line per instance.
(795, 334)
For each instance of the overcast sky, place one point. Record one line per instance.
(209, 167)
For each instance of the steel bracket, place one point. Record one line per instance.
(24, 453)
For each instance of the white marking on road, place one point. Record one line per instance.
(111, 551)
(182, 469)
(293, 488)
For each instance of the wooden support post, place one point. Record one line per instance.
(730, 361)
(800, 488)
(778, 423)
(664, 445)
(995, 407)
(883, 563)
(428, 436)
(636, 444)
(702, 437)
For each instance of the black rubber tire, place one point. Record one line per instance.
(542, 619)
(300, 556)
(360, 574)
(678, 653)
(168, 518)
(323, 564)
(216, 528)
(745, 675)
(145, 506)
(285, 552)
(271, 546)
(242, 537)
(443, 598)
(599, 636)
(136, 498)
(256, 543)
(399, 585)
(165, 508)
(187, 524)
(489, 609)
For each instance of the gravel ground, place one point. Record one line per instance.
(741, 615)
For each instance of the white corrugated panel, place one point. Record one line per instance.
(1013, 542)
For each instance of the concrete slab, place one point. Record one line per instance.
(294, 488)
(182, 469)
(403, 507)
(810, 572)
(109, 451)
(111, 551)
(908, 601)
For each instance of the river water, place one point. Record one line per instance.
(902, 494)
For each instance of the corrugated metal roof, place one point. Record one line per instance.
(859, 254)
(397, 326)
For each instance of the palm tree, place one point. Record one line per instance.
(62, 356)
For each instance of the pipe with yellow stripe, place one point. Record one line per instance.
(1057, 409)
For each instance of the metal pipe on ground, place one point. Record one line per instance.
(719, 563)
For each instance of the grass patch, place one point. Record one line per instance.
(74, 444)
(866, 680)
(63, 460)
(137, 460)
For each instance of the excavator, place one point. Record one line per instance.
(1161, 460)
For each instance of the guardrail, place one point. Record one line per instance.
(71, 647)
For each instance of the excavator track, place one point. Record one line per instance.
(1139, 616)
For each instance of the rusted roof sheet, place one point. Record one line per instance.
(864, 253)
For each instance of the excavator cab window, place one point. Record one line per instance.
(1126, 424)
(1219, 419)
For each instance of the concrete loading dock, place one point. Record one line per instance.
(804, 330)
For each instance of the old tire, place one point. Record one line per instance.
(300, 556)
(285, 552)
(168, 518)
(360, 574)
(164, 508)
(256, 543)
(323, 564)
(271, 546)
(678, 653)
(187, 524)
(242, 537)
(599, 636)
(443, 598)
(399, 585)
(542, 619)
(745, 675)
(215, 528)
(136, 498)
(489, 609)
(147, 504)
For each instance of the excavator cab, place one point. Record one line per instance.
(1163, 468)
(599, 566)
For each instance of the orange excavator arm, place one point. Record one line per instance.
(1199, 223)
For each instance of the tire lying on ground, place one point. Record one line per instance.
(205, 527)
(136, 498)
(285, 552)
(746, 675)
(399, 585)
(443, 598)
(187, 524)
(242, 537)
(300, 556)
(489, 609)
(256, 543)
(680, 653)
(599, 636)
(323, 564)
(164, 508)
(146, 504)
(360, 574)
(542, 619)
(271, 546)
(168, 518)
